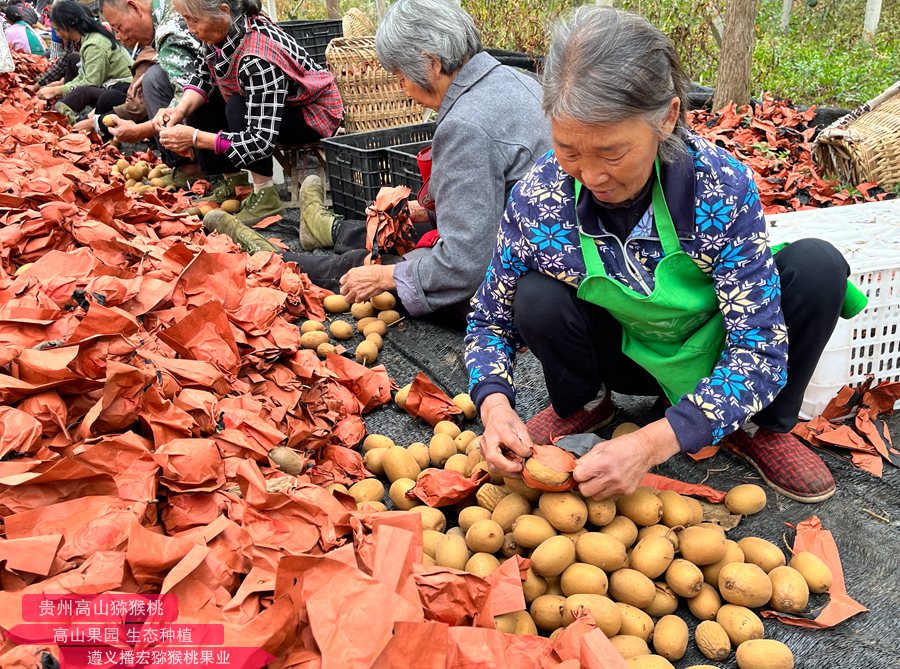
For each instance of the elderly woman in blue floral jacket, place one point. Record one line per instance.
(634, 257)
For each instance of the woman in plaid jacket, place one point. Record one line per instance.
(256, 87)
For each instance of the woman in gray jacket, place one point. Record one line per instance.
(490, 131)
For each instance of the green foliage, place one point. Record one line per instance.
(518, 25)
(822, 59)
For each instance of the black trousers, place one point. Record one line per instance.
(231, 116)
(111, 97)
(326, 269)
(72, 62)
(579, 344)
(90, 96)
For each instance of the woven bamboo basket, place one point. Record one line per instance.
(357, 24)
(864, 145)
(373, 98)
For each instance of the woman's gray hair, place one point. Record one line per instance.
(212, 7)
(413, 32)
(606, 65)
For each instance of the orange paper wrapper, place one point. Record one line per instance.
(507, 595)
(812, 537)
(424, 644)
(428, 402)
(555, 459)
(455, 597)
(851, 420)
(695, 489)
(388, 228)
(443, 487)
(581, 641)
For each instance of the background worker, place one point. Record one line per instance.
(156, 24)
(255, 87)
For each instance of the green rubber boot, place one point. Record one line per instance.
(67, 111)
(179, 180)
(316, 221)
(259, 205)
(247, 238)
(225, 189)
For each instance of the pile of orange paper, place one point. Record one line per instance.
(146, 371)
(775, 140)
(852, 420)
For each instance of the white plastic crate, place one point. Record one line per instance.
(869, 237)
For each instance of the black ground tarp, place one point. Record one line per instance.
(864, 514)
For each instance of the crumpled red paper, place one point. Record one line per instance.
(146, 370)
(442, 487)
(428, 402)
(775, 140)
(813, 537)
(852, 420)
(388, 226)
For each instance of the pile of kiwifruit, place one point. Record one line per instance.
(372, 320)
(626, 562)
(140, 177)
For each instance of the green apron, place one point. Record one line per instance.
(676, 332)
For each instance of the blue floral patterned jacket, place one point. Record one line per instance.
(716, 211)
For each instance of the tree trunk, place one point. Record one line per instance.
(333, 8)
(873, 16)
(716, 25)
(786, 7)
(736, 56)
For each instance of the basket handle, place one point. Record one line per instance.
(847, 119)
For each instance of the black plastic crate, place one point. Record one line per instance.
(314, 36)
(405, 167)
(359, 165)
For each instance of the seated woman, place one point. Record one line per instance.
(490, 130)
(104, 65)
(256, 87)
(19, 34)
(634, 258)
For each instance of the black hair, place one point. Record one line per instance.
(73, 15)
(13, 14)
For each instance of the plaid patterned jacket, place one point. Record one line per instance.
(266, 66)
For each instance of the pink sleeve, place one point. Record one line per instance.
(222, 144)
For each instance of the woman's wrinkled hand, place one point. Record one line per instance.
(178, 138)
(505, 442)
(361, 283)
(126, 131)
(417, 213)
(49, 92)
(167, 118)
(616, 467)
